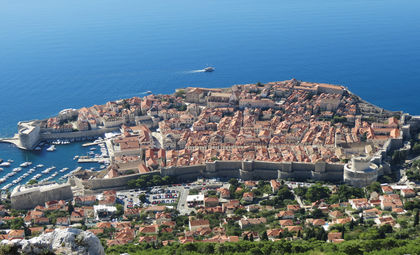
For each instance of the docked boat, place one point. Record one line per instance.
(5, 164)
(208, 69)
(7, 186)
(10, 160)
(49, 169)
(40, 165)
(25, 164)
(51, 148)
(64, 169)
(17, 169)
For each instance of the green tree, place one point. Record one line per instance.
(17, 223)
(264, 236)
(70, 207)
(31, 182)
(142, 197)
(416, 149)
(416, 218)
(120, 210)
(317, 192)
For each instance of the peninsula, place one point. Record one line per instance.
(289, 130)
(280, 161)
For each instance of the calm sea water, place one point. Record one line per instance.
(62, 54)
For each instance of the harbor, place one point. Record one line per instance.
(50, 161)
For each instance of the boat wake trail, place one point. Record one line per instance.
(196, 71)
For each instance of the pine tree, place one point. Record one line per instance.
(251, 238)
(416, 218)
(246, 238)
(351, 225)
(70, 207)
(264, 236)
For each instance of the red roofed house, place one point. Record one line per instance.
(408, 193)
(275, 185)
(248, 196)
(333, 236)
(16, 234)
(196, 224)
(211, 201)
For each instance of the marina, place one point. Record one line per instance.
(43, 166)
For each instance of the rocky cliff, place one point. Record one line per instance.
(60, 241)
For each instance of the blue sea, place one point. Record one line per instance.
(69, 54)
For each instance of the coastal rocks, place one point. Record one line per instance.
(60, 241)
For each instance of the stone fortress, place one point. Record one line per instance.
(29, 197)
(359, 171)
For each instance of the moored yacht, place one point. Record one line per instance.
(208, 69)
(51, 148)
(5, 164)
(25, 164)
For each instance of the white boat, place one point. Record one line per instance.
(54, 174)
(5, 164)
(10, 160)
(49, 169)
(7, 186)
(51, 148)
(17, 169)
(64, 169)
(1, 169)
(208, 69)
(25, 164)
(40, 165)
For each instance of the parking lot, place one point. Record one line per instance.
(163, 196)
(171, 194)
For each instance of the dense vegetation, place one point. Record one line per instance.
(353, 247)
(146, 181)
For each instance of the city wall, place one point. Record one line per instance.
(30, 198)
(249, 170)
(113, 183)
(77, 134)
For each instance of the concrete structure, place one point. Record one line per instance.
(248, 170)
(29, 197)
(360, 172)
(29, 134)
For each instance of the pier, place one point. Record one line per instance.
(88, 160)
(92, 143)
(13, 140)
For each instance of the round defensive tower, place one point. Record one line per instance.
(360, 172)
